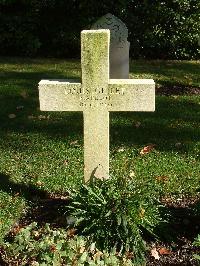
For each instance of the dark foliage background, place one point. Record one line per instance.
(167, 29)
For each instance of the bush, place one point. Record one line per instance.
(157, 29)
(197, 243)
(164, 29)
(115, 214)
(18, 29)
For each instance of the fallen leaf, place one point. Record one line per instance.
(178, 144)
(36, 234)
(39, 183)
(64, 197)
(154, 253)
(97, 255)
(75, 142)
(15, 229)
(129, 255)
(82, 249)
(120, 149)
(131, 174)
(162, 178)
(164, 251)
(92, 247)
(175, 96)
(31, 117)
(137, 124)
(147, 149)
(142, 212)
(34, 263)
(11, 116)
(20, 107)
(40, 117)
(71, 232)
(53, 248)
(66, 162)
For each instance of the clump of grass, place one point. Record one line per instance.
(116, 213)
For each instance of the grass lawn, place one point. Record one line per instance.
(43, 151)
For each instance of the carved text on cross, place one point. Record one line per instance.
(96, 96)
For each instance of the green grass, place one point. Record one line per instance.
(185, 73)
(44, 150)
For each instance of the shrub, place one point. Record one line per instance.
(197, 243)
(164, 29)
(116, 213)
(40, 246)
(18, 29)
(157, 29)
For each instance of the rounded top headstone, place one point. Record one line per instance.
(118, 30)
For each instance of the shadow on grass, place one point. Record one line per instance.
(183, 222)
(186, 72)
(183, 225)
(16, 60)
(27, 191)
(30, 80)
(45, 208)
(158, 66)
(174, 120)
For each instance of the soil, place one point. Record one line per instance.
(184, 227)
(177, 90)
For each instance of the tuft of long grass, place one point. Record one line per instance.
(115, 213)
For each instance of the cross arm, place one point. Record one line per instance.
(60, 95)
(135, 94)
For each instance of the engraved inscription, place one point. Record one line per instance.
(93, 91)
(118, 29)
(119, 91)
(99, 97)
(72, 90)
(94, 97)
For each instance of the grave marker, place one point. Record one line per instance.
(119, 46)
(96, 96)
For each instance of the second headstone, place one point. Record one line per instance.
(119, 46)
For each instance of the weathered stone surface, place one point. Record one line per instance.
(117, 95)
(119, 46)
(118, 30)
(132, 95)
(95, 76)
(95, 59)
(96, 139)
(96, 95)
(60, 95)
(119, 60)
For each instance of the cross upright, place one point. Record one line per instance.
(96, 95)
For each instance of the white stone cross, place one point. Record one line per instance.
(96, 96)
